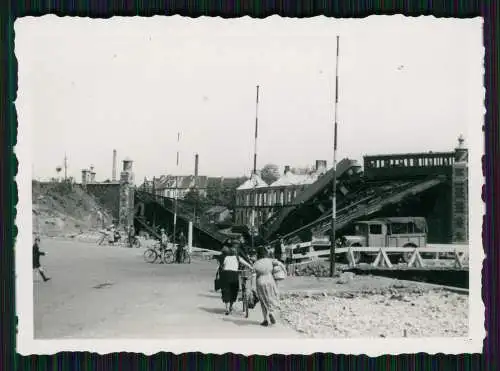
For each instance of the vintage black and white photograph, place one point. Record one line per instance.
(241, 185)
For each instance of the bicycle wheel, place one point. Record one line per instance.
(245, 304)
(168, 257)
(150, 256)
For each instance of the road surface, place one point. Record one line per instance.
(110, 292)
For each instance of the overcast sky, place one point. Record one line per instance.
(87, 87)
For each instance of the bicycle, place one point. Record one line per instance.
(186, 257)
(246, 289)
(157, 251)
(104, 240)
(133, 241)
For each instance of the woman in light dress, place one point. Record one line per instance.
(267, 290)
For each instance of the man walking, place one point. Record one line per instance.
(36, 259)
(278, 249)
(180, 247)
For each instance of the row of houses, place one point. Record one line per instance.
(257, 200)
(251, 193)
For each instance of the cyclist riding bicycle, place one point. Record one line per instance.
(164, 238)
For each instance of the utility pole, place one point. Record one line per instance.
(254, 172)
(196, 191)
(334, 187)
(65, 168)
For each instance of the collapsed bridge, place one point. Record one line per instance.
(431, 185)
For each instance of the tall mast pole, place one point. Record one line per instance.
(254, 172)
(196, 191)
(176, 189)
(65, 168)
(334, 186)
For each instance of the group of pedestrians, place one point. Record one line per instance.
(179, 251)
(266, 268)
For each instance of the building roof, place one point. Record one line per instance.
(179, 182)
(290, 178)
(225, 182)
(255, 181)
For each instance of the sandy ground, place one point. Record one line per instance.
(110, 292)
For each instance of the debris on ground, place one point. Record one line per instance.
(396, 311)
(65, 210)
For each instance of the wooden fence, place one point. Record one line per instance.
(305, 253)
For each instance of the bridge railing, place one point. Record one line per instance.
(399, 166)
(304, 253)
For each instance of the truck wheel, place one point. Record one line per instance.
(357, 255)
(407, 255)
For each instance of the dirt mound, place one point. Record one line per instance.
(64, 209)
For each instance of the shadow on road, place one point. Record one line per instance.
(236, 321)
(211, 295)
(213, 310)
(241, 322)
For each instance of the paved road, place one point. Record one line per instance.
(141, 301)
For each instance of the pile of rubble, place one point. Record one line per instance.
(64, 210)
(386, 312)
(317, 268)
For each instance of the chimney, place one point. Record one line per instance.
(287, 169)
(84, 177)
(92, 174)
(113, 175)
(320, 165)
(196, 165)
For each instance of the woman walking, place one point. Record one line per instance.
(267, 290)
(229, 278)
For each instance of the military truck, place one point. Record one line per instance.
(387, 232)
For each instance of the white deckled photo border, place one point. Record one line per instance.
(27, 344)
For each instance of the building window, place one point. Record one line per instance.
(459, 190)
(375, 229)
(459, 222)
(459, 172)
(459, 207)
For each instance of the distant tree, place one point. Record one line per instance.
(222, 193)
(193, 197)
(270, 173)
